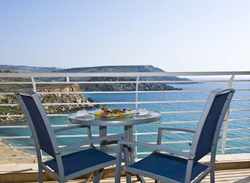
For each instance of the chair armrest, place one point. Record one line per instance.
(177, 129)
(69, 128)
(87, 142)
(160, 129)
(156, 147)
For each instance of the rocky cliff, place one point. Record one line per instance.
(78, 100)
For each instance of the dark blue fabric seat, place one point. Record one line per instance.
(167, 166)
(70, 165)
(181, 166)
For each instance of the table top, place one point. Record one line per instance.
(117, 121)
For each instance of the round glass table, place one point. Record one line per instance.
(128, 121)
(103, 121)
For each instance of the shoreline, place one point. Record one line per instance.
(16, 156)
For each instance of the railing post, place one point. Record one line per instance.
(136, 141)
(136, 106)
(67, 78)
(34, 84)
(136, 92)
(224, 138)
(230, 83)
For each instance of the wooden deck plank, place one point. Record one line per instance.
(221, 176)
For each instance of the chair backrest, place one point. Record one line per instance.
(208, 129)
(38, 121)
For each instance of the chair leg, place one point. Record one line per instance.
(128, 177)
(98, 177)
(212, 176)
(118, 173)
(40, 174)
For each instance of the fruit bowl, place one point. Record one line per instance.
(114, 113)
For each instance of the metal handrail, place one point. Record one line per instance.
(137, 81)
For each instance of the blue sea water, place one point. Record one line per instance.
(172, 96)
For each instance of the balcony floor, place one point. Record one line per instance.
(221, 176)
(231, 168)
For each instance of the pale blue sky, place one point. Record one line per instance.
(174, 35)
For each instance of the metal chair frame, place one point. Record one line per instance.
(60, 175)
(189, 156)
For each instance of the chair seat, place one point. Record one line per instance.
(165, 165)
(82, 160)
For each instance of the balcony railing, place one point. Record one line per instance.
(179, 107)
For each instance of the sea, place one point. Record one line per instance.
(236, 129)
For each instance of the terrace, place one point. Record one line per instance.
(233, 151)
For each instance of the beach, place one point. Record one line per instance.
(16, 156)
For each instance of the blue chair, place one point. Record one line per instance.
(175, 165)
(70, 165)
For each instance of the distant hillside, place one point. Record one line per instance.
(102, 69)
(122, 68)
(25, 69)
(123, 87)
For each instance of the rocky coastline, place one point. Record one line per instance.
(78, 102)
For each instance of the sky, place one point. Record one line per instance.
(173, 35)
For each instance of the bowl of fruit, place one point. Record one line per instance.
(114, 113)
